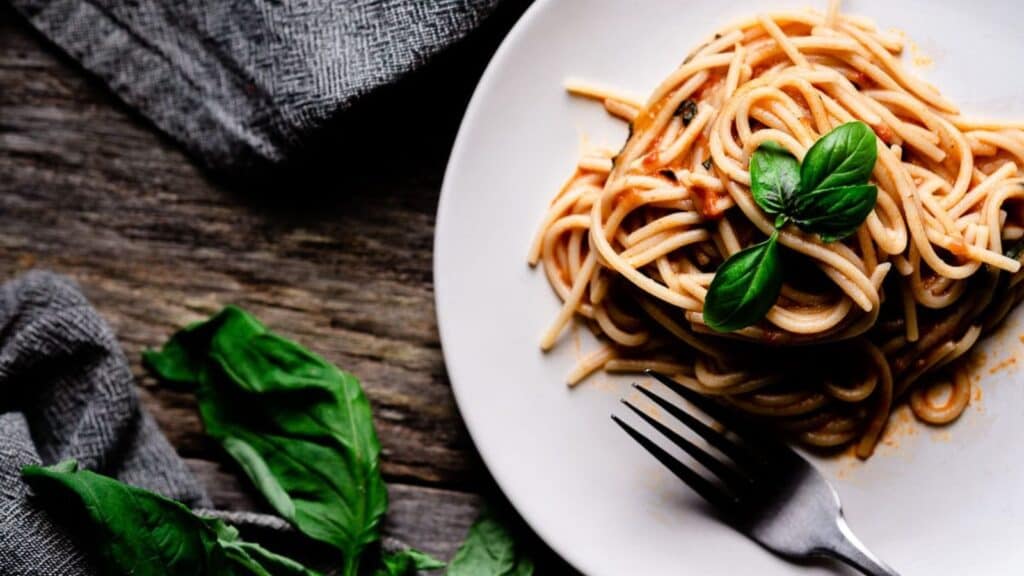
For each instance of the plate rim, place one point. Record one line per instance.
(459, 156)
(444, 207)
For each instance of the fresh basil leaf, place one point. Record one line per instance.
(407, 563)
(745, 287)
(489, 549)
(774, 177)
(129, 530)
(834, 213)
(844, 157)
(299, 427)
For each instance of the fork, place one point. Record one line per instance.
(768, 492)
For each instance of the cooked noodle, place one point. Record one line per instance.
(632, 241)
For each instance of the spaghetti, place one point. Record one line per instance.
(632, 241)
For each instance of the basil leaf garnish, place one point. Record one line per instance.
(128, 530)
(828, 194)
(774, 177)
(745, 287)
(299, 427)
(843, 157)
(834, 213)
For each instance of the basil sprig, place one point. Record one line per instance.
(299, 427)
(828, 195)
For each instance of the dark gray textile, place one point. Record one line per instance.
(66, 392)
(242, 82)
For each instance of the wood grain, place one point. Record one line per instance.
(155, 244)
(333, 251)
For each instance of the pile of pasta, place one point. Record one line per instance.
(632, 241)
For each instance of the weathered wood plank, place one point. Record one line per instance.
(334, 252)
(89, 190)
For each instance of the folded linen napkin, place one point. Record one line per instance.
(66, 392)
(242, 82)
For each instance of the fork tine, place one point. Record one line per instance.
(737, 453)
(708, 406)
(730, 477)
(713, 494)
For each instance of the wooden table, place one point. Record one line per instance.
(334, 252)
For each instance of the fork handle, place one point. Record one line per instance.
(848, 549)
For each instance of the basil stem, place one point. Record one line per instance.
(407, 563)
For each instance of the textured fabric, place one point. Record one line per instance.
(66, 392)
(242, 82)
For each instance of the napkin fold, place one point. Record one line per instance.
(66, 391)
(242, 83)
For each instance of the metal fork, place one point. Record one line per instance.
(767, 491)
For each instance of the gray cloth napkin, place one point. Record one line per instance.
(66, 392)
(246, 82)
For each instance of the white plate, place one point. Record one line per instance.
(947, 501)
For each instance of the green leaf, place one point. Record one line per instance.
(835, 213)
(745, 287)
(407, 563)
(253, 556)
(128, 530)
(774, 177)
(489, 549)
(299, 427)
(844, 157)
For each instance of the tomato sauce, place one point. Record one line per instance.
(650, 161)
(630, 199)
(706, 202)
